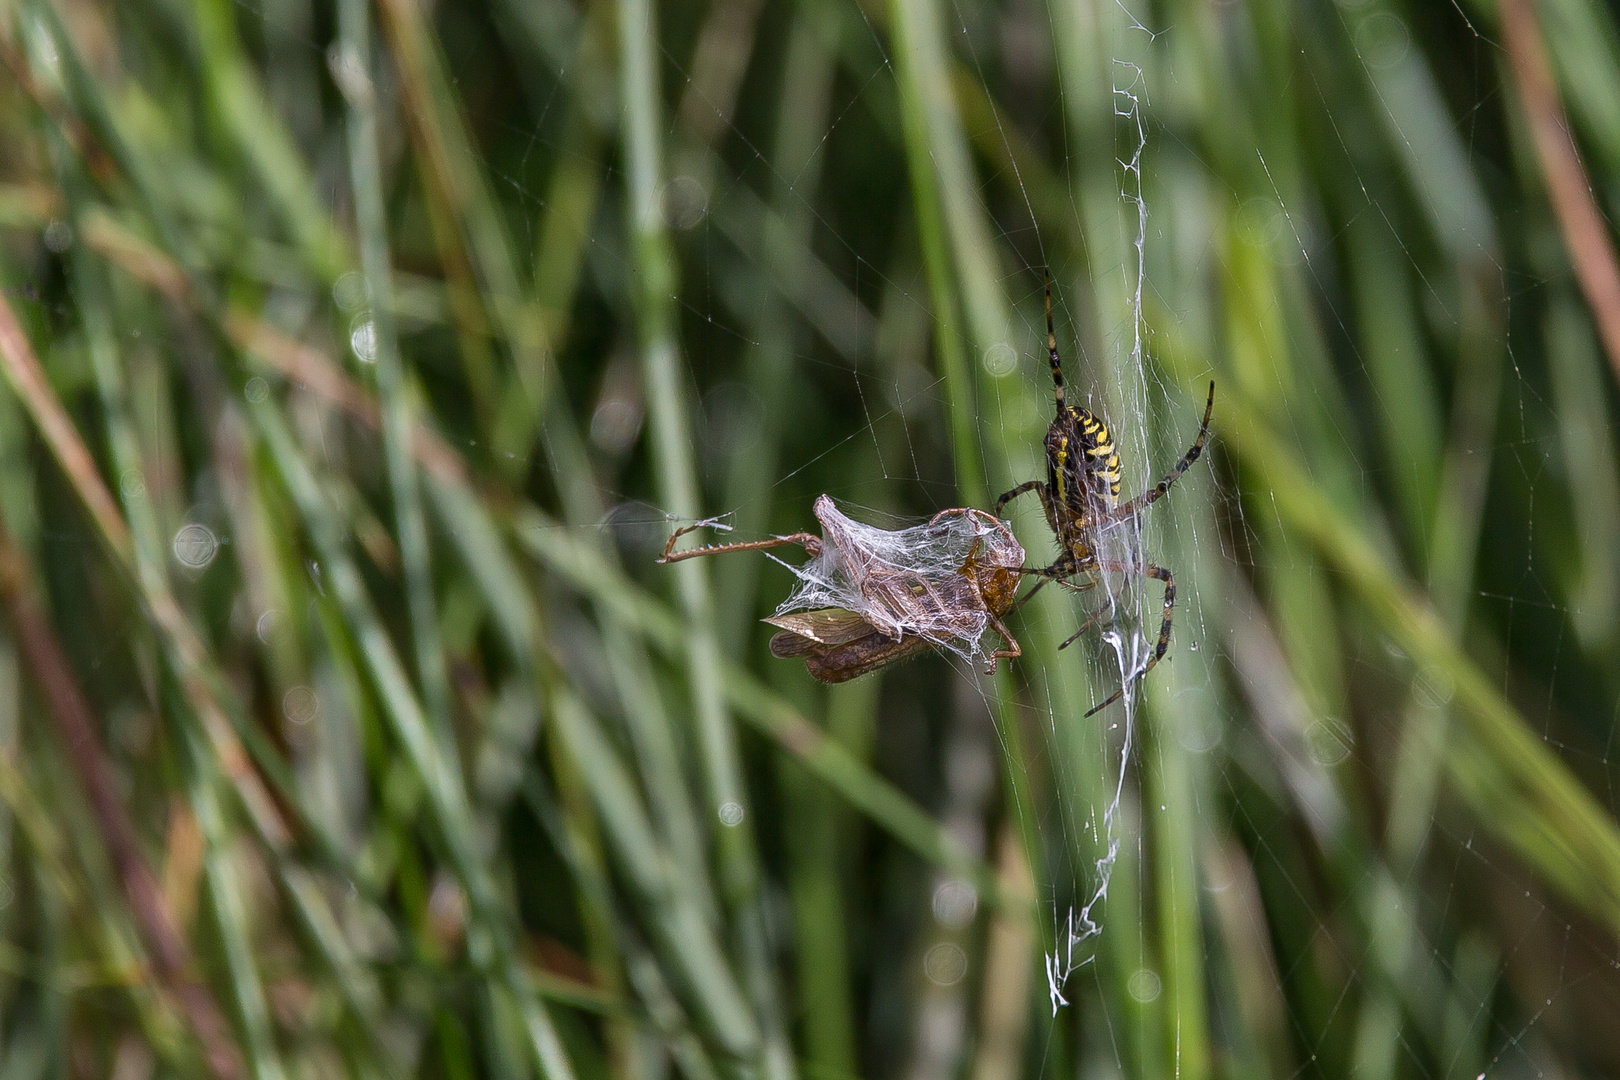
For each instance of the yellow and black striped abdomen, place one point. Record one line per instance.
(1082, 463)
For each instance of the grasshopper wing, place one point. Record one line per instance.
(804, 632)
(838, 645)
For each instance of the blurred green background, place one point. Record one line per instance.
(358, 359)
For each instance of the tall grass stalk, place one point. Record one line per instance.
(655, 283)
(383, 347)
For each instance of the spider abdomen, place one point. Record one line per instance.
(1082, 463)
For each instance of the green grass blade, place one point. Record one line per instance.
(365, 172)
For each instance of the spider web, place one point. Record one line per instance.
(840, 318)
(1126, 647)
(1206, 534)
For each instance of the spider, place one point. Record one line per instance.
(1081, 498)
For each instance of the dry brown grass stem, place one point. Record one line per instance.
(1586, 233)
(168, 950)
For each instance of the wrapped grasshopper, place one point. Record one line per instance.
(869, 597)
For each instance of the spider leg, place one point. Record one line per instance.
(1063, 578)
(1027, 485)
(810, 543)
(1161, 574)
(1162, 488)
(1087, 625)
(1060, 572)
(1051, 350)
(1022, 600)
(1055, 572)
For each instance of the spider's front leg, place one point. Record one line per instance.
(1061, 572)
(1087, 625)
(1026, 486)
(1162, 488)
